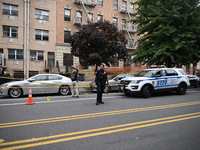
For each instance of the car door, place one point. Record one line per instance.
(172, 77)
(54, 82)
(161, 80)
(116, 83)
(37, 83)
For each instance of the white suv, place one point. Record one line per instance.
(150, 80)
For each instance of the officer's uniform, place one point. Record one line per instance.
(101, 78)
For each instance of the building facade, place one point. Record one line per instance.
(72, 14)
(28, 36)
(35, 34)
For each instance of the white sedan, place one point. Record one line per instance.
(40, 83)
(114, 82)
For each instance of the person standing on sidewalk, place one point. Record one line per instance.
(100, 80)
(74, 78)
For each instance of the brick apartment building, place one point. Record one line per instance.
(71, 15)
(28, 35)
(35, 33)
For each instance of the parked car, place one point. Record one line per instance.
(152, 80)
(114, 82)
(194, 80)
(40, 83)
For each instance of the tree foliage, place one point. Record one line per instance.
(98, 43)
(169, 32)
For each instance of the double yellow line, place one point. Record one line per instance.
(94, 132)
(92, 115)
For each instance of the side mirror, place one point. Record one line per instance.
(31, 80)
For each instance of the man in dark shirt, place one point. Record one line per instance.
(100, 80)
(74, 78)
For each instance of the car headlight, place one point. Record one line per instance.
(4, 85)
(135, 81)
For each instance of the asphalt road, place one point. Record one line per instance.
(165, 121)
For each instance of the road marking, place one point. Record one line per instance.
(59, 101)
(96, 132)
(1, 140)
(92, 115)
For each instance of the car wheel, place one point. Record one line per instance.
(182, 89)
(127, 93)
(196, 84)
(64, 90)
(15, 92)
(146, 91)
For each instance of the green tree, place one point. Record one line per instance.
(169, 32)
(98, 43)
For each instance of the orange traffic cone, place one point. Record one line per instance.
(30, 99)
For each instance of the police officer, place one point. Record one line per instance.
(100, 80)
(74, 78)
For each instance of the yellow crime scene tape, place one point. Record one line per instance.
(79, 85)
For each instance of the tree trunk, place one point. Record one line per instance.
(96, 67)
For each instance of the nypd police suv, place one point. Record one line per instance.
(151, 80)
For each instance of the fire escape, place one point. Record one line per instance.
(84, 3)
(130, 28)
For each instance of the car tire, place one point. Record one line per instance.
(64, 90)
(15, 92)
(182, 89)
(196, 84)
(146, 91)
(127, 93)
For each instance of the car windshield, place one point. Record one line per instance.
(146, 73)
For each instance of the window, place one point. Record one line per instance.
(1, 56)
(42, 35)
(67, 15)
(115, 4)
(41, 14)
(131, 7)
(10, 9)
(67, 37)
(90, 1)
(36, 55)
(54, 77)
(15, 54)
(78, 16)
(90, 15)
(131, 26)
(100, 3)
(160, 73)
(9, 31)
(124, 5)
(40, 78)
(131, 43)
(123, 23)
(171, 72)
(115, 20)
(100, 18)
